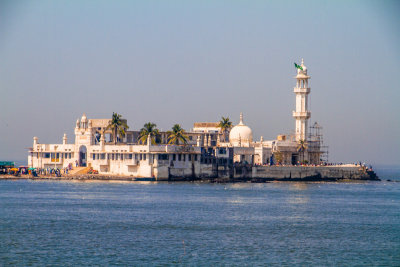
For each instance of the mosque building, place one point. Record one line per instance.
(208, 150)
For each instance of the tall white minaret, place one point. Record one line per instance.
(301, 114)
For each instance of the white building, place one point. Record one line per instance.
(203, 155)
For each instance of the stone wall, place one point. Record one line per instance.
(269, 173)
(312, 173)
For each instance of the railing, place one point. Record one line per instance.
(158, 148)
(305, 114)
(130, 162)
(302, 90)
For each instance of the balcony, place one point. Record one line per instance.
(302, 115)
(301, 90)
(103, 162)
(131, 162)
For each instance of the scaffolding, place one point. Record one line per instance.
(315, 136)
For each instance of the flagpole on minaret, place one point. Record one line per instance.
(301, 114)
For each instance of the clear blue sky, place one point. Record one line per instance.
(185, 61)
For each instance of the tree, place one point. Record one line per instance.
(148, 128)
(118, 126)
(177, 135)
(302, 147)
(225, 124)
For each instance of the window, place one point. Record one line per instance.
(46, 155)
(189, 157)
(184, 157)
(94, 156)
(130, 156)
(195, 157)
(144, 156)
(162, 156)
(179, 157)
(103, 156)
(190, 137)
(141, 157)
(112, 156)
(174, 157)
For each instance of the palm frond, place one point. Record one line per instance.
(117, 125)
(177, 135)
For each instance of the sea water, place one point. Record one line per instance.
(59, 223)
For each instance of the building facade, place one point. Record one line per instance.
(206, 153)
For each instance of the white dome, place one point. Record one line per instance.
(304, 71)
(241, 135)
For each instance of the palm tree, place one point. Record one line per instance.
(118, 126)
(148, 128)
(301, 147)
(225, 124)
(176, 135)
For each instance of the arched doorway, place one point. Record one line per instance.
(82, 156)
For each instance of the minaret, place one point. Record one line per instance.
(301, 114)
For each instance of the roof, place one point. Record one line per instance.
(100, 122)
(206, 124)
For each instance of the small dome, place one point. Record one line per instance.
(84, 119)
(304, 71)
(241, 134)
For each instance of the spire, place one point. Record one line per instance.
(241, 119)
(302, 61)
(198, 140)
(149, 140)
(102, 141)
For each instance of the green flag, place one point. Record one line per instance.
(298, 66)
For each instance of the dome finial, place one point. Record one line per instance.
(241, 118)
(302, 61)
